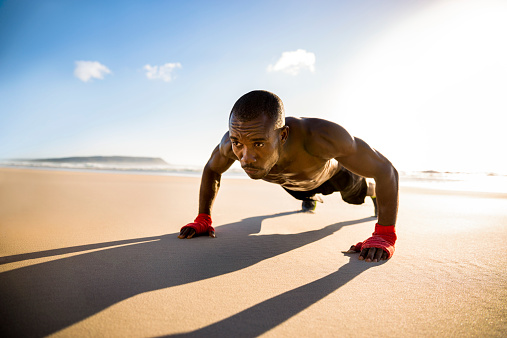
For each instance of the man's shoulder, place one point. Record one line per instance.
(312, 124)
(321, 137)
(225, 147)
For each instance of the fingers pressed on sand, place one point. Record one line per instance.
(384, 255)
(371, 253)
(378, 255)
(191, 234)
(187, 232)
(363, 254)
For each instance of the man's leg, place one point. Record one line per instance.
(308, 206)
(309, 199)
(354, 188)
(371, 192)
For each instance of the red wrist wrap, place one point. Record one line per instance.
(201, 224)
(384, 238)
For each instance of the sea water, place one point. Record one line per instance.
(457, 181)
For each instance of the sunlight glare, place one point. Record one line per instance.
(430, 91)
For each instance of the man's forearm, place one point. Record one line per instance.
(387, 197)
(210, 183)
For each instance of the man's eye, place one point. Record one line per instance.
(235, 143)
(259, 144)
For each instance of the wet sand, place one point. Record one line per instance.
(97, 254)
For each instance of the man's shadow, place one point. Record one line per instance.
(44, 298)
(270, 313)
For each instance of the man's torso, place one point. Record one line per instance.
(308, 157)
(299, 170)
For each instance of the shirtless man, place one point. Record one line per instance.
(305, 156)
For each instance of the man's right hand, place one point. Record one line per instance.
(189, 233)
(201, 225)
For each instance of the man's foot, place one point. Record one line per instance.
(309, 206)
(374, 199)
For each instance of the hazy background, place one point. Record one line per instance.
(424, 82)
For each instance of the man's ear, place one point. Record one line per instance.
(284, 134)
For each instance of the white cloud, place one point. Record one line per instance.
(86, 70)
(293, 62)
(163, 73)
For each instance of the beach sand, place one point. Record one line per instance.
(97, 254)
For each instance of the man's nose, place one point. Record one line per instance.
(247, 157)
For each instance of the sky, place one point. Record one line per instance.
(423, 82)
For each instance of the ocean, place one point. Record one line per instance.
(455, 181)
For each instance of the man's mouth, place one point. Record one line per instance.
(250, 170)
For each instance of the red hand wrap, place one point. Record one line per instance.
(384, 238)
(201, 224)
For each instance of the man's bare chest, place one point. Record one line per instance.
(303, 175)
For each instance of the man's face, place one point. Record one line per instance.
(256, 145)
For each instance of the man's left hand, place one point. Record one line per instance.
(380, 246)
(370, 254)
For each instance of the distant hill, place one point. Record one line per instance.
(106, 160)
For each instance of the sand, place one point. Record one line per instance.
(97, 254)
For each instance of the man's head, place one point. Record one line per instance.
(257, 131)
(259, 102)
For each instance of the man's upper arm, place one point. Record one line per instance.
(222, 157)
(365, 161)
(326, 139)
(329, 140)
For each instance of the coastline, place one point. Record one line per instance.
(446, 181)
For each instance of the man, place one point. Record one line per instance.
(305, 156)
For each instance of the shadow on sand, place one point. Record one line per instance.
(45, 298)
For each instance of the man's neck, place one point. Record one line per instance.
(284, 159)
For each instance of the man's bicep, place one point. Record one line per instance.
(330, 140)
(222, 157)
(327, 139)
(364, 160)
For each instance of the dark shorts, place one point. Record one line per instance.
(352, 187)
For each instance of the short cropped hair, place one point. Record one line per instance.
(257, 103)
